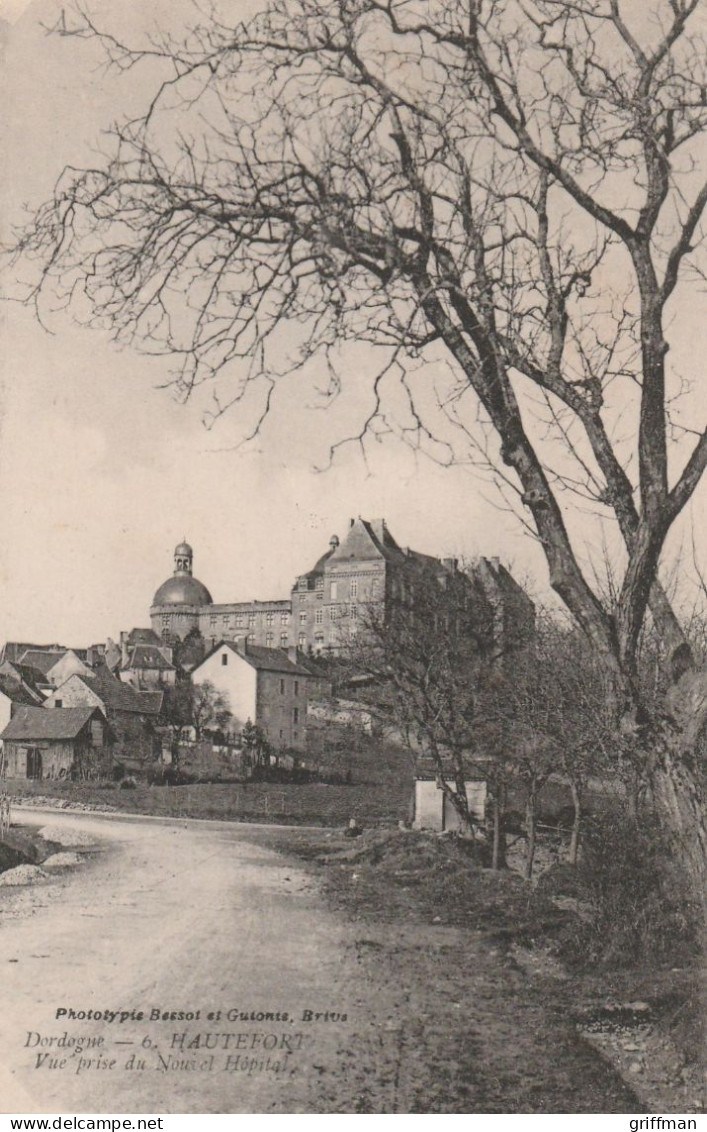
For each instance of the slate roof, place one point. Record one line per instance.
(16, 692)
(146, 656)
(265, 660)
(117, 696)
(48, 723)
(15, 650)
(42, 659)
(142, 637)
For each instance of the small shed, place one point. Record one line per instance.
(433, 810)
(55, 743)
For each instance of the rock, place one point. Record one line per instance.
(64, 835)
(23, 874)
(635, 1067)
(61, 861)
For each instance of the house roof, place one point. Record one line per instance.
(142, 637)
(48, 723)
(151, 702)
(117, 696)
(16, 692)
(146, 656)
(15, 650)
(42, 659)
(265, 660)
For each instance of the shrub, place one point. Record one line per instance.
(636, 897)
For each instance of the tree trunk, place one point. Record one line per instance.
(680, 796)
(530, 829)
(576, 822)
(498, 855)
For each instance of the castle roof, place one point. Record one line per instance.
(182, 589)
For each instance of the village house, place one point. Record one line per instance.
(66, 742)
(144, 661)
(265, 686)
(132, 715)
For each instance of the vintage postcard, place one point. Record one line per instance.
(354, 588)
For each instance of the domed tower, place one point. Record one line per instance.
(183, 558)
(178, 601)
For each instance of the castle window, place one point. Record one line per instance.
(354, 611)
(251, 620)
(285, 617)
(283, 640)
(295, 715)
(334, 590)
(224, 658)
(302, 640)
(302, 583)
(319, 643)
(297, 687)
(354, 587)
(212, 620)
(269, 618)
(303, 618)
(282, 687)
(320, 582)
(165, 620)
(239, 621)
(319, 616)
(269, 640)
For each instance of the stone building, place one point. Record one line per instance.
(366, 568)
(183, 604)
(265, 686)
(132, 715)
(55, 744)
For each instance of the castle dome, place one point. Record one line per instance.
(184, 549)
(182, 589)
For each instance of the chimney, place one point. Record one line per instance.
(292, 653)
(241, 644)
(450, 564)
(123, 649)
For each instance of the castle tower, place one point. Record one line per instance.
(178, 602)
(183, 558)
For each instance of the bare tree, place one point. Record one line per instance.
(428, 649)
(512, 188)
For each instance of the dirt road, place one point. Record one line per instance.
(167, 918)
(181, 968)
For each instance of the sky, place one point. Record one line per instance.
(102, 471)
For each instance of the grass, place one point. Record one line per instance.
(398, 887)
(268, 802)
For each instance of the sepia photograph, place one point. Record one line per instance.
(353, 614)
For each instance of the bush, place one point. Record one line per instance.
(129, 783)
(637, 901)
